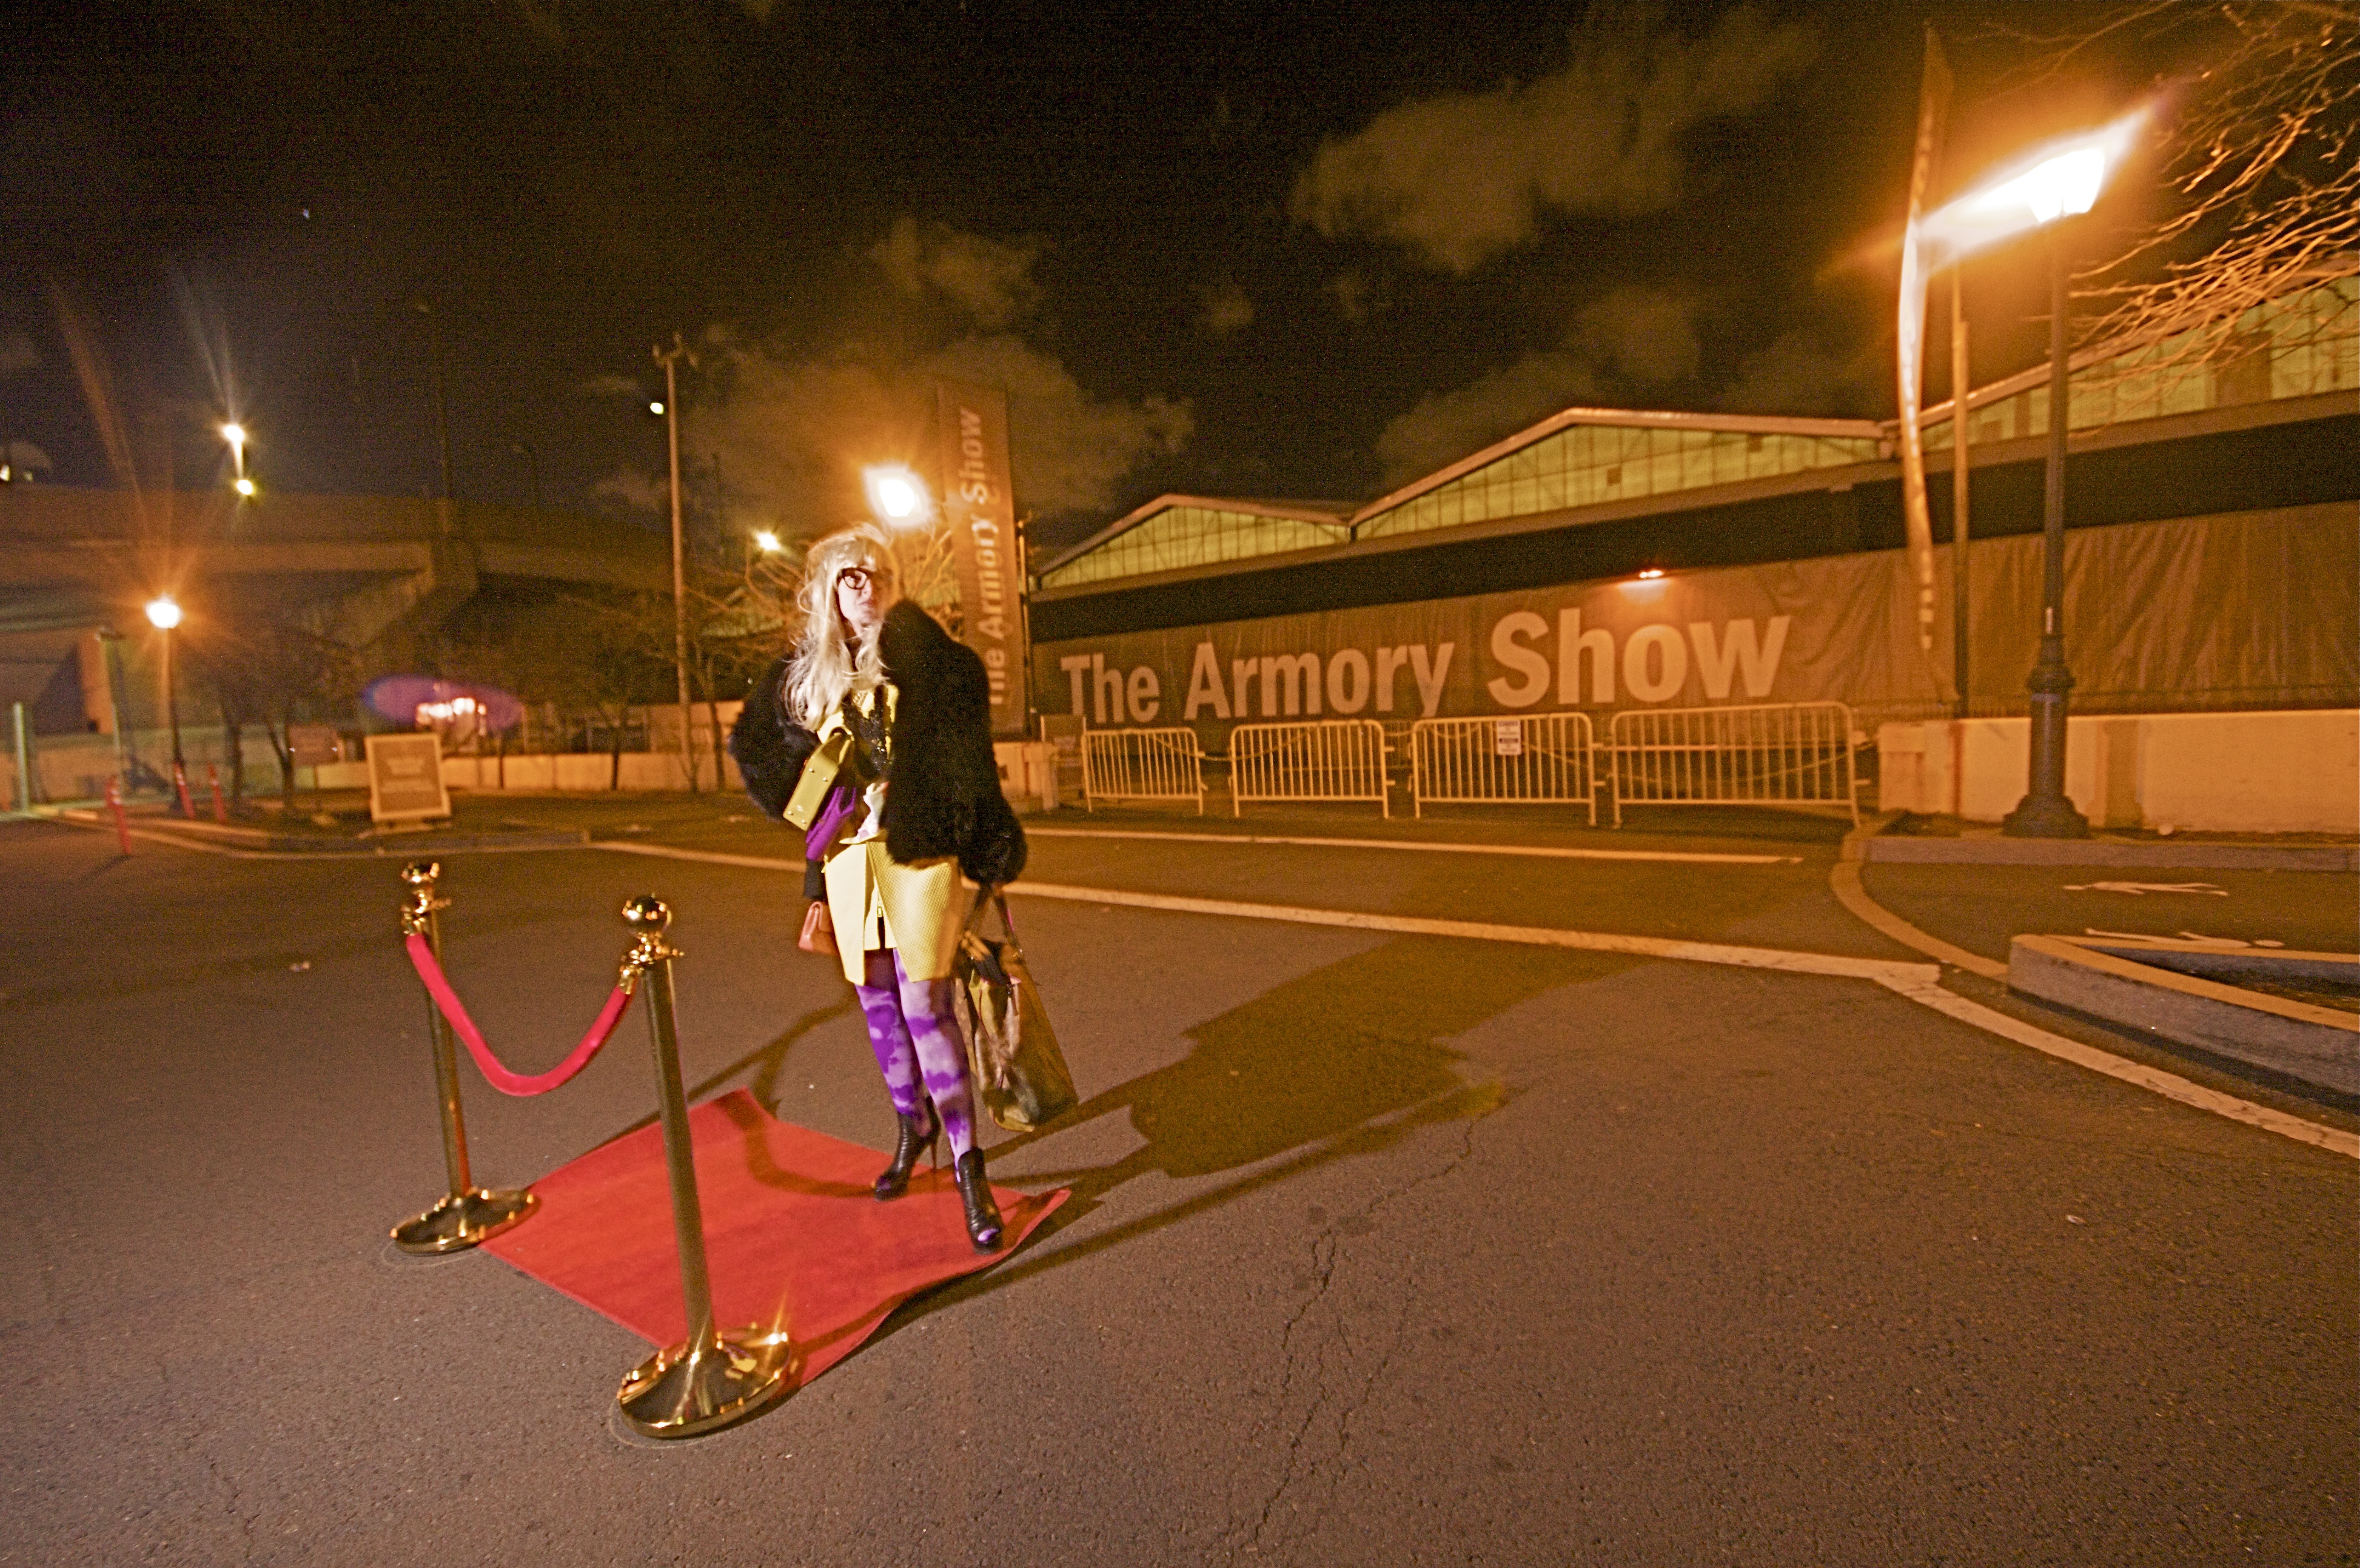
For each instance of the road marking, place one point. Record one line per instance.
(1534, 851)
(2141, 889)
(1919, 982)
(391, 852)
(2170, 1085)
(1477, 931)
(661, 852)
(1845, 879)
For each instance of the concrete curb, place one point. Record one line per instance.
(2317, 1045)
(1993, 850)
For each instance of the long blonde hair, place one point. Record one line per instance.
(828, 666)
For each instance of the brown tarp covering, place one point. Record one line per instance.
(2241, 610)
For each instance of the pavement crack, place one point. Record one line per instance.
(226, 1482)
(1346, 1403)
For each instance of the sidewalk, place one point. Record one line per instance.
(1908, 838)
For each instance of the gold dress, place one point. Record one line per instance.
(874, 900)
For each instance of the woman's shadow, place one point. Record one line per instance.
(1345, 1061)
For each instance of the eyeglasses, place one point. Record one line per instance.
(856, 577)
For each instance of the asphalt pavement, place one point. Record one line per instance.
(1384, 1248)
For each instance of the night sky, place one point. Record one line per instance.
(1269, 251)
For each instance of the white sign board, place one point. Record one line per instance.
(1508, 738)
(405, 775)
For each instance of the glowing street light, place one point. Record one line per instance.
(766, 542)
(2058, 181)
(162, 612)
(896, 495)
(234, 433)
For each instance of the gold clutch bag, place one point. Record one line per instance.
(819, 777)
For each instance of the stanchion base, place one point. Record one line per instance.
(462, 1222)
(689, 1387)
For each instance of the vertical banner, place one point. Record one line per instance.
(1933, 102)
(979, 511)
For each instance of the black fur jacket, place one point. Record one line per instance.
(944, 795)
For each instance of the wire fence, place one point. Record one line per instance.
(1793, 754)
(1333, 759)
(1544, 759)
(1142, 765)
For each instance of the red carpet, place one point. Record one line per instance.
(790, 1222)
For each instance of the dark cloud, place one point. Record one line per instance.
(792, 430)
(990, 279)
(1797, 374)
(1458, 179)
(1632, 339)
(17, 351)
(1224, 311)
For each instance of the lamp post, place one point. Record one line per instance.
(2045, 812)
(669, 359)
(234, 433)
(164, 614)
(2060, 182)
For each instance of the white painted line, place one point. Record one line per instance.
(1529, 850)
(397, 852)
(1475, 930)
(663, 852)
(2171, 1086)
(1919, 982)
(1408, 925)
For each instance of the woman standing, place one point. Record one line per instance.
(917, 803)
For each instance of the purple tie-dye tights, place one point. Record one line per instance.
(911, 1028)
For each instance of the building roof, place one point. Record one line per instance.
(2299, 345)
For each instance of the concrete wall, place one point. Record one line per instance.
(2268, 772)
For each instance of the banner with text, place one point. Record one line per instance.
(979, 513)
(2247, 610)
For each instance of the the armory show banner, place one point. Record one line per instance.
(2256, 609)
(980, 507)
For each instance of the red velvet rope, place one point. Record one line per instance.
(422, 958)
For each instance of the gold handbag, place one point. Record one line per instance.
(1019, 1073)
(819, 775)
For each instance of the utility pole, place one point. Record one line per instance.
(442, 408)
(1960, 424)
(669, 359)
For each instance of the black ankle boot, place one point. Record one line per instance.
(917, 1131)
(982, 1214)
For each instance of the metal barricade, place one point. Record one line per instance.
(1546, 758)
(1790, 753)
(1142, 765)
(1331, 759)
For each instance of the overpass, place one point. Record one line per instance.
(372, 572)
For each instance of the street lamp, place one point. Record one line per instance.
(669, 412)
(234, 433)
(2061, 180)
(766, 542)
(164, 614)
(896, 495)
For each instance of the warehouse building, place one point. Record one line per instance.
(1604, 559)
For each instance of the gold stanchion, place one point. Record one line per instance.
(709, 1379)
(467, 1213)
